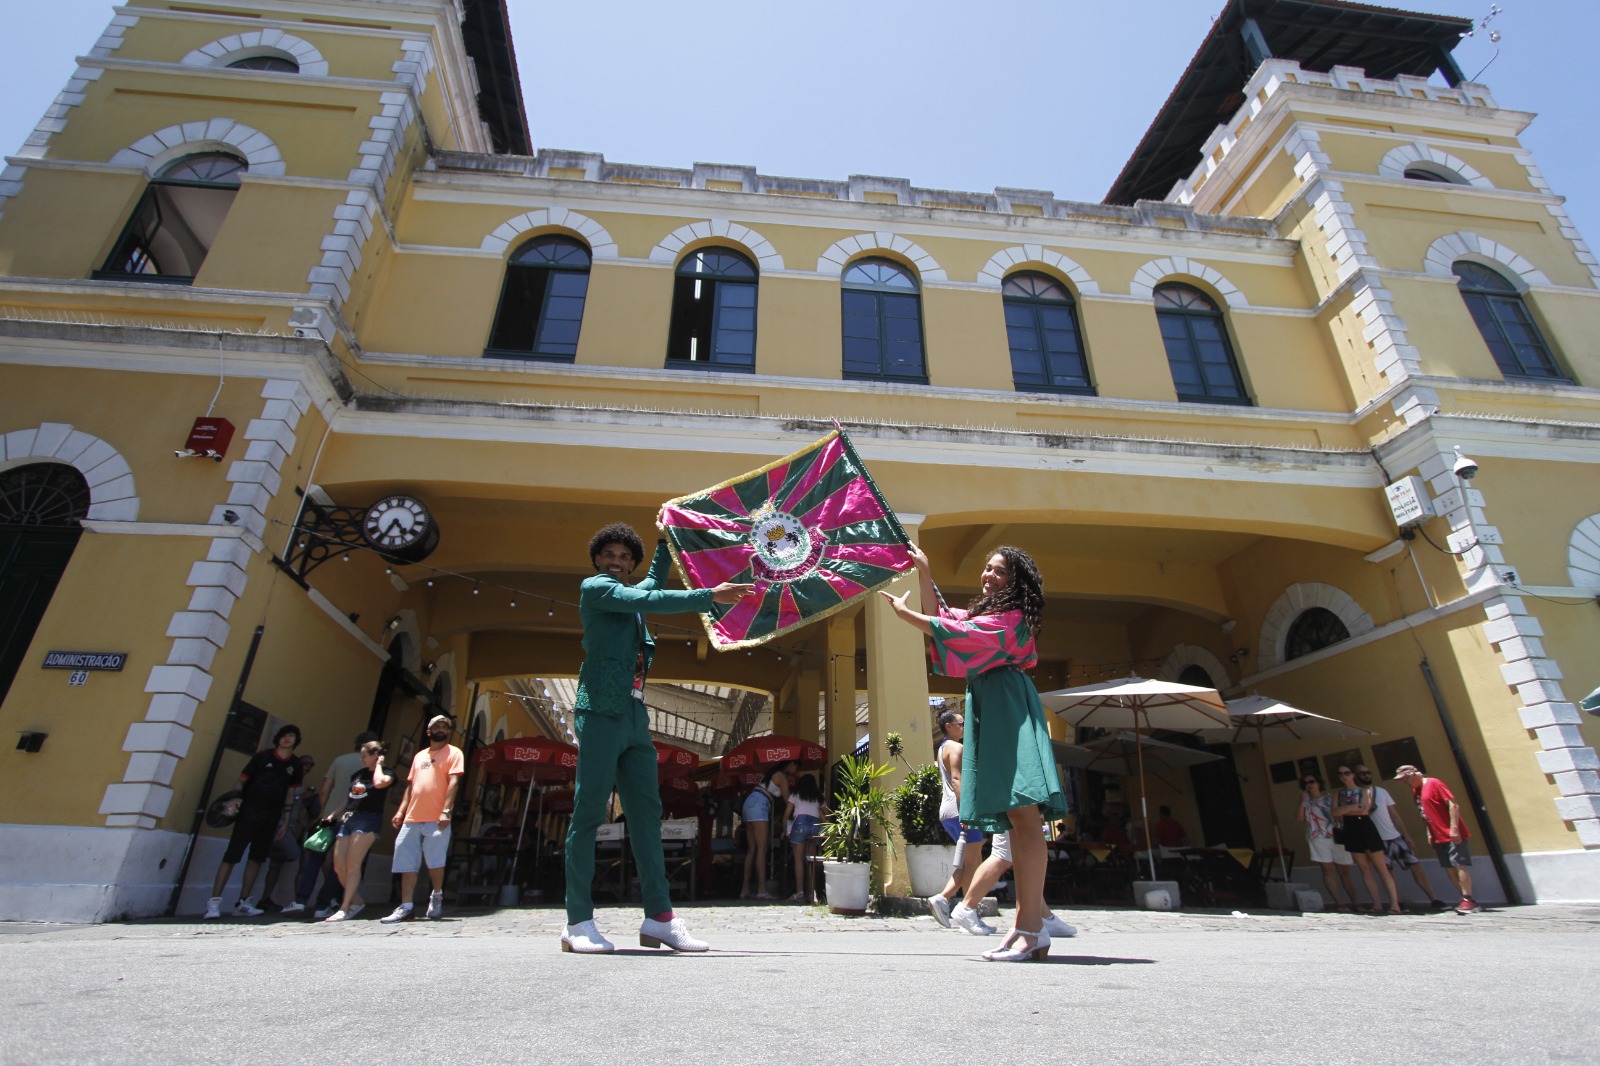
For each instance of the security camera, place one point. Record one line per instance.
(1466, 469)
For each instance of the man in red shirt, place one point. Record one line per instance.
(1446, 831)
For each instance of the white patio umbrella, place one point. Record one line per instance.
(1143, 705)
(1255, 719)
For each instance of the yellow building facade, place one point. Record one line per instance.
(447, 359)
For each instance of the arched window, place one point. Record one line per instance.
(1042, 330)
(277, 64)
(177, 220)
(714, 312)
(882, 322)
(1203, 367)
(41, 506)
(1196, 675)
(1314, 629)
(1416, 173)
(1508, 329)
(541, 304)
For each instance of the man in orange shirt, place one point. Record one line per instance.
(424, 818)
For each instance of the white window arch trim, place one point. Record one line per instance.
(1025, 256)
(741, 237)
(512, 231)
(1397, 161)
(1295, 601)
(1186, 655)
(154, 151)
(1443, 253)
(1583, 554)
(231, 49)
(113, 497)
(833, 261)
(1181, 268)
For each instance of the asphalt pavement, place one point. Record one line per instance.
(787, 983)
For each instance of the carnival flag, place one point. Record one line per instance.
(810, 531)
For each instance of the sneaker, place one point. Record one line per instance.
(435, 906)
(967, 920)
(245, 909)
(673, 934)
(1468, 905)
(293, 908)
(585, 939)
(1058, 929)
(323, 913)
(1438, 904)
(213, 907)
(940, 907)
(401, 913)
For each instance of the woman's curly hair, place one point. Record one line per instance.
(1025, 593)
(617, 533)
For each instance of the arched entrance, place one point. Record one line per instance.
(41, 505)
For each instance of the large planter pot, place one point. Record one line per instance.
(848, 886)
(930, 866)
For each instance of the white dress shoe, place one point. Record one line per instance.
(967, 920)
(654, 934)
(1058, 929)
(585, 939)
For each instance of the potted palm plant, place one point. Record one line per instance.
(929, 854)
(860, 809)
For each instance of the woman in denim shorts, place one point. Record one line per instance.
(756, 813)
(360, 819)
(804, 814)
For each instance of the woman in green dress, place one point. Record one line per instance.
(1008, 771)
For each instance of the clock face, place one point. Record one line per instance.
(396, 522)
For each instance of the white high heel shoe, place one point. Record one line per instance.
(1021, 946)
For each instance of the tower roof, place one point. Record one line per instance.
(487, 33)
(1318, 34)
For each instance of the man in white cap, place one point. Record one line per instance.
(424, 818)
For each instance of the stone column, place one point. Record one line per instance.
(839, 685)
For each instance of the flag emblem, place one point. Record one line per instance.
(810, 531)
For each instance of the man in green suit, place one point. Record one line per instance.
(614, 745)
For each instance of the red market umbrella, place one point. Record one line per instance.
(758, 753)
(733, 785)
(527, 759)
(673, 761)
(680, 797)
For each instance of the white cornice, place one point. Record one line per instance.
(278, 81)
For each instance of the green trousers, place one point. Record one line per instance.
(615, 753)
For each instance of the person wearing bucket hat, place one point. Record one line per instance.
(614, 746)
(265, 784)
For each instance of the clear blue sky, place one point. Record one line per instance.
(1042, 94)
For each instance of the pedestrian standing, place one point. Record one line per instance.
(1008, 771)
(968, 842)
(1352, 808)
(1397, 849)
(1316, 813)
(266, 784)
(756, 815)
(804, 816)
(334, 784)
(424, 819)
(1446, 831)
(359, 817)
(614, 746)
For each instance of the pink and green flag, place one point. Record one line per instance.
(810, 531)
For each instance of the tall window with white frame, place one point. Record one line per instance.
(1042, 330)
(541, 302)
(1196, 338)
(1513, 337)
(882, 328)
(177, 220)
(713, 312)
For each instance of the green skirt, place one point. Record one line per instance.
(1006, 758)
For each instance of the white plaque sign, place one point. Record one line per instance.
(1409, 501)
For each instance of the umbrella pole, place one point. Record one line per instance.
(1266, 775)
(1144, 799)
(522, 828)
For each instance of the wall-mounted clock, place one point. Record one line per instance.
(401, 527)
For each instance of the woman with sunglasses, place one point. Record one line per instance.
(1008, 769)
(1315, 812)
(360, 820)
(1353, 807)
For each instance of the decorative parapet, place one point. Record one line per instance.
(562, 165)
(1276, 74)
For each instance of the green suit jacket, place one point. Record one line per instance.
(614, 632)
